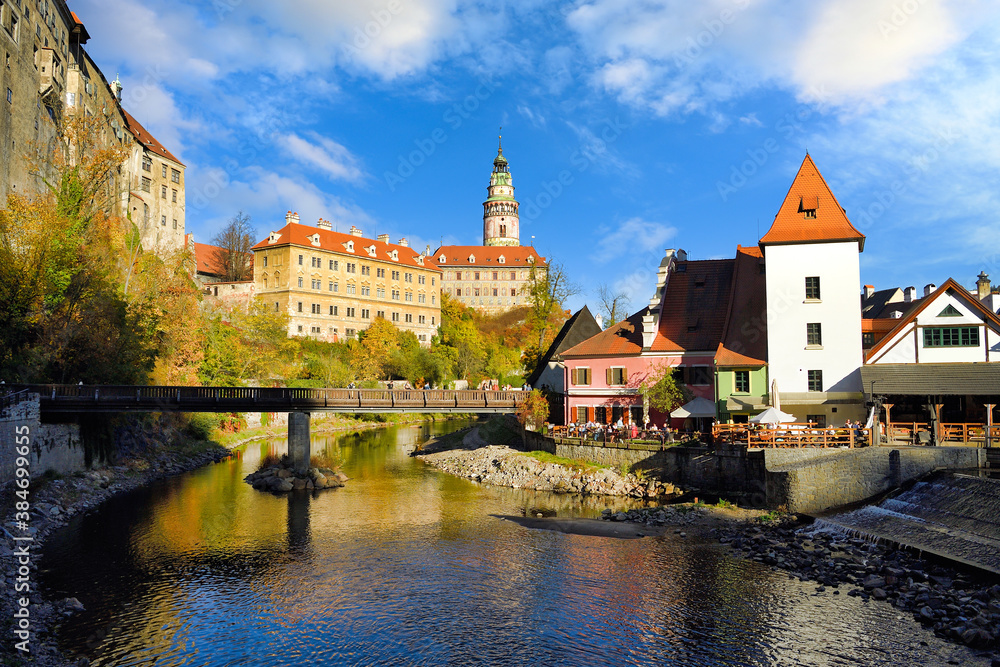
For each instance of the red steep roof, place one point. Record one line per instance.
(298, 234)
(624, 339)
(206, 258)
(744, 342)
(147, 139)
(458, 255)
(693, 311)
(810, 195)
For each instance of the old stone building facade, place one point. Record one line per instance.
(333, 285)
(495, 276)
(47, 77)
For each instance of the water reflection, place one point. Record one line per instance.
(409, 566)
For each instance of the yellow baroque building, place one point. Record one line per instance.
(332, 285)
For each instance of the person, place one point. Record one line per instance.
(390, 385)
(635, 430)
(427, 385)
(619, 424)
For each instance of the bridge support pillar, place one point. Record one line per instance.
(298, 441)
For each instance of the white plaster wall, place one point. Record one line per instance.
(838, 310)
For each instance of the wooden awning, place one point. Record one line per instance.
(978, 379)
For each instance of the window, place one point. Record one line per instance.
(351, 312)
(433, 298)
(395, 317)
(617, 376)
(163, 192)
(300, 306)
(409, 318)
(336, 287)
(175, 176)
(329, 287)
(163, 170)
(495, 292)
(458, 275)
(867, 339)
(301, 259)
(10, 96)
(951, 337)
(815, 380)
(476, 275)
(336, 310)
(819, 421)
(175, 223)
(315, 262)
(477, 292)
(395, 275)
(381, 314)
(581, 414)
(146, 183)
(580, 376)
(351, 267)
(694, 375)
(331, 310)
(814, 334)
(812, 287)
(300, 328)
(366, 291)
(365, 314)
(366, 270)
(351, 289)
(300, 281)
(147, 163)
(380, 273)
(421, 319)
(316, 284)
(432, 320)
(950, 311)
(513, 276)
(163, 221)
(315, 309)
(264, 259)
(408, 277)
(513, 292)
(395, 294)
(422, 280)
(741, 381)
(422, 298)
(409, 296)
(334, 264)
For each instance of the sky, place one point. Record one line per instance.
(630, 126)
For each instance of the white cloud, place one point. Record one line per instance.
(640, 240)
(334, 159)
(534, 117)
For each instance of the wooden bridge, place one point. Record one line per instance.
(77, 399)
(298, 403)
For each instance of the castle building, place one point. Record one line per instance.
(497, 275)
(48, 77)
(333, 285)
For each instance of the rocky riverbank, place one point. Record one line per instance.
(282, 478)
(503, 466)
(53, 502)
(962, 606)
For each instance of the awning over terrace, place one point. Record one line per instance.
(981, 379)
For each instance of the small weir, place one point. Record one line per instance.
(950, 515)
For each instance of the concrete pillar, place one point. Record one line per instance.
(298, 441)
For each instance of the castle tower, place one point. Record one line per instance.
(500, 220)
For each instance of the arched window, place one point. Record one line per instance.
(503, 230)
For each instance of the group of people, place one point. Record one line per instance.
(618, 431)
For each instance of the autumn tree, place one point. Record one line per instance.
(534, 409)
(614, 305)
(548, 289)
(234, 245)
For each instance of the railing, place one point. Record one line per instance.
(613, 438)
(12, 398)
(919, 433)
(790, 435)
(109, 397)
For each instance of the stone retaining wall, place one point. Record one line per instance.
(817, 483)
(55, 447)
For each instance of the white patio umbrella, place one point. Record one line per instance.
(699, 407)
(772, 416)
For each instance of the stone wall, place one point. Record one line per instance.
(851, 476)
(55, 447)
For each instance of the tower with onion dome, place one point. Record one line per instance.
(500, 219)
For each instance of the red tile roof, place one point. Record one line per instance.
(299, 235)
(693, 311)
(809, 192)
(147, 139)
(206, 259)
(621, 340)
(458, 255)
(744, 342)
(693, 315)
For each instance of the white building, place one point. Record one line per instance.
(813, 277)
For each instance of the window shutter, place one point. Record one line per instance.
(586, 376)
(590, 414)
(608, 378)
(624, 376)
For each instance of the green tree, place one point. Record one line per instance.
(660, 389)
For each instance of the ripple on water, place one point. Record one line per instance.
(410, 568)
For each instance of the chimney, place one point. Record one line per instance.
(291, 217)
(600, 320)
(909, 294)
(869, 291)
(403, 242)
(682, 255)
(928, 288)
(983, 286)
(355, 231)
(383, 238)
(324, 224)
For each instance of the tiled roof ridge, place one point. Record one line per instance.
(361, 242)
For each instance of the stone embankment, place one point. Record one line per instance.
(962, 606)
(502, 466)
(281, 478)
(53, 503)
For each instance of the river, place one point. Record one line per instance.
(410, 566)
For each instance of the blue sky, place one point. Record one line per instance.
(631, 126)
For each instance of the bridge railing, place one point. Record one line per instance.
(272, 398)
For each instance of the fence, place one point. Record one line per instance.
(790, 435)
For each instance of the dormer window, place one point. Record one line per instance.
(314, 239)
(394, 255)
(808, 206)
(273, 238)
(443, 258)
(502, 259)
(371, 250)
(472, 259)
(531, 260)
(350, 246)
(699, 281)
(950, 311)
(420, 259)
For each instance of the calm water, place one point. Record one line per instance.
(409, 566)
